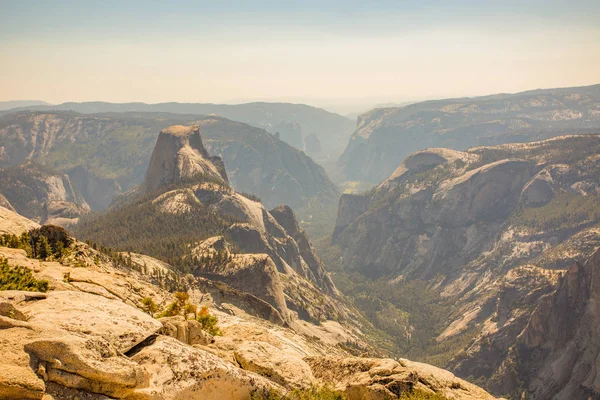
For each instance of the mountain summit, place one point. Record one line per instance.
(179, 154)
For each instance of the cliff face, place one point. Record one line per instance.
(179, 155)
(42, 196)
(490, 230)
(92, 335)
(385, 136)
(556, 355)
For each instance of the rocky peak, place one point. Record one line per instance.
(179, 154)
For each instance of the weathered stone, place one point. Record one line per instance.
(269, 361)
(18, 382)
(378, 379)
(186, 331)
(179, 371)
(89, 364)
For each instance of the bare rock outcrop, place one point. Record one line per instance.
(13, 223)
(539, 190)
(374, 379)
(267, 360)
(286, 218)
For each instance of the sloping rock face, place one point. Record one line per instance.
(490, 229)
(179, 155)
(385, 136)
(14, 224)
(42, 196)
(441, 223)
(267, 360)
(286, 218)
(5, 203)
(89, 338)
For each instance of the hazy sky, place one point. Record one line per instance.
(328, 53)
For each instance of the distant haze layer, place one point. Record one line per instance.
(344, 56)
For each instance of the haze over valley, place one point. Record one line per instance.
(300, 200)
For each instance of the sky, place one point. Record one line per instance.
(341, 55)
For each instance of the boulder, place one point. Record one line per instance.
(91, 364)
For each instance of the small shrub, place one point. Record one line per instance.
(172, 310)
(189, 309)
(149, 305)
(181, 298)
(208, 322)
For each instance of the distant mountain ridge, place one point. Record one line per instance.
(331, 129)
(108, 154)
(12, 104)
(384, 136)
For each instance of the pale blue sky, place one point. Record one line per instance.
(322, 52)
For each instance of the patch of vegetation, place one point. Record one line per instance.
(566, 210)
(141, 227)
(208, 322)
(355, 187)
(19, 278)
(47, 242)
(408, 314)
(251, 196)
(312, 393)
(149, 305)
(181, 305)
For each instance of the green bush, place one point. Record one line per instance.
(19, 278)
(149, 305)
(208, 322)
